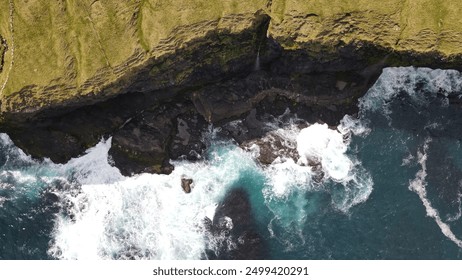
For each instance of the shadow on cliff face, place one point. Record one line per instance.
(210, 81)
(232, 232)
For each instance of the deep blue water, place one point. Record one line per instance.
(390, 188)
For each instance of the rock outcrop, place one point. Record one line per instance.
(74, 71)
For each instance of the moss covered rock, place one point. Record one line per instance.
(74, 51)
(70, 53)
(424, 26)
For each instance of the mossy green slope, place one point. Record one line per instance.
(421, 26)
(68, 52)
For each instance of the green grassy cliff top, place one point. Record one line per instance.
(61, 51)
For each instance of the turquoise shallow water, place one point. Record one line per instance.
(390, 188)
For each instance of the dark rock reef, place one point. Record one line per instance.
(233, 232)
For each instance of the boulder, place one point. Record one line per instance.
(186, 184)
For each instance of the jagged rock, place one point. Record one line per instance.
(186, 184)
(141, 145)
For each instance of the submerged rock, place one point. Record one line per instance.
(233, 230)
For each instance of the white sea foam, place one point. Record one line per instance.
(351, 125)
(418, 185)
(149, 216)
(408, 160)
(409, 80)
(285, 176)
(146, 216)
(456, 216)
(323, 165)
(93, 167)
(319, 144)
(22, 176)
(13, 152)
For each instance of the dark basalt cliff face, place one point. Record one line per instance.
(154, 74)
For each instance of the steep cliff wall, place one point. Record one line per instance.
(69, 51)
(74, 71)
(66, 53)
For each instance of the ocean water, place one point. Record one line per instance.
(386, 184)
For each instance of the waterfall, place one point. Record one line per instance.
(257, 61)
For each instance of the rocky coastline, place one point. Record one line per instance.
(155, 75)
(252, 62)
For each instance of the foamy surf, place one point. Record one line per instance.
(418, 185)
(309, 202)
(323, 160)
(417, 83)
(145, 216)
(322, 163)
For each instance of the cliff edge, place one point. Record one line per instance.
(70, 53)
(143, 71)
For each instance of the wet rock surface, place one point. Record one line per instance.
(187, 142)
(186, 184)
(140, 146)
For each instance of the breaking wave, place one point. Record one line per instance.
(290, 174)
